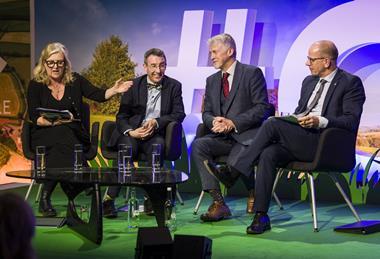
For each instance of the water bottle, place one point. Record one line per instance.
(133, 211)
(170, 211)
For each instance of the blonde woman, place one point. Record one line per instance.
(55, 86)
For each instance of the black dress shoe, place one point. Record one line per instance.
(45, 207)
(260, 224)
(223, 173)
(109, 210)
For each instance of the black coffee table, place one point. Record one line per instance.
(155, 185)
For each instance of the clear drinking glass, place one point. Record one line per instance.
(127, 159)
(120, 155)
(78, 156)
(40, 160)
(156, 157)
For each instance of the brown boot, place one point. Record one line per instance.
(250, 201)
(217, 211)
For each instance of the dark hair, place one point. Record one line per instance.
(17, 224)
(154, 52)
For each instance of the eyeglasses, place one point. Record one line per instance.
(312, 60)
(160, 66)
(52, 63)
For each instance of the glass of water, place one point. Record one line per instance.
(78, 156)
(120, 155)
(127, 159)
(40, 160)
(156, 157)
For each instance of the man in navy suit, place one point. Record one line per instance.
(330, 98)
(235, 105)
(145, 110)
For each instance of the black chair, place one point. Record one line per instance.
(335, 154)
(173, 142)
(172, 146)
(90, 154)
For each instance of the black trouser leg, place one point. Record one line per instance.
(45, 206)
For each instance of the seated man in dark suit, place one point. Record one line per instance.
(146, 109)
(235, 105)
(330, 98)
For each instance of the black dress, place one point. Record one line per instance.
(60, 140)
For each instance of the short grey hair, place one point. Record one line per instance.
(225, 39)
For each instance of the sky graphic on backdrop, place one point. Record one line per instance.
(81, 25)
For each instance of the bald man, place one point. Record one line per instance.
(330, 98)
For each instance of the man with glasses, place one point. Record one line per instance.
(145, 110)
(330, 98)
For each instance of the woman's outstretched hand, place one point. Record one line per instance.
(119, 87)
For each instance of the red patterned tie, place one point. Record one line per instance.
(226, 85)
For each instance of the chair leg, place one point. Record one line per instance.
(179, 196)
(279, 204)
(105, 193)
(313, 203)
(38, 194)
(29, 189)
(198, 203)
(127, 191)
(274, 195)
(334, 178)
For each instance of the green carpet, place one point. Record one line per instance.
(291, 235)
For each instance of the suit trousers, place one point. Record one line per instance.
(144, 146)
(208, 148)
(276, 144)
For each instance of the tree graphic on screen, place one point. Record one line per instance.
(111, 61)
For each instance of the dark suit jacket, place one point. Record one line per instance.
(344, 100)
(246, 105)
(133, 106)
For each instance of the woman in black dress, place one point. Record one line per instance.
(55, 86)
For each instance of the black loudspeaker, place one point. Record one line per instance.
(154, 242)
(186, 246)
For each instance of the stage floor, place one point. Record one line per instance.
(291, 235)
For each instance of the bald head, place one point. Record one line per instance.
(322, 58)
(326, 49)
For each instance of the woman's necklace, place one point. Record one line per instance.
(57, 90)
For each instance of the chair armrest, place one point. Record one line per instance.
(93, 151)
(25, 140)
(173, 141)
(336, 150)
(107, 130)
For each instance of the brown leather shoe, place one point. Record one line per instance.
(250, 201)
(217, 211)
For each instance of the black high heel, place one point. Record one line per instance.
(45, 207)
